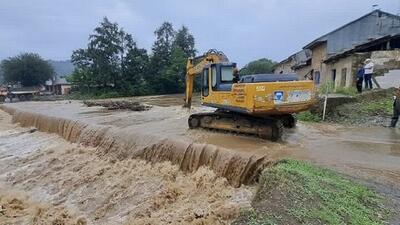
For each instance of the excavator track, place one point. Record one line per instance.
(265, 128)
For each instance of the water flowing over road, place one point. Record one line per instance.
(96, 160)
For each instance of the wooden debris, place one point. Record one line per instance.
(118, 104)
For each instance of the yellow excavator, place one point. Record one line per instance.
(260, 104)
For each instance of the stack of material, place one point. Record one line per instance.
(118, 104)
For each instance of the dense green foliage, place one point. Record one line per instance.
(259, 66)
(294, 192)
(110, 61)
(113, 62)
(28, 69)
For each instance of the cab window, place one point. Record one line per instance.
(226, 74)
(204, 87)
(214, 76)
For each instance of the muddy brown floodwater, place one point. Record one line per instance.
(129, 188)
(47, 180)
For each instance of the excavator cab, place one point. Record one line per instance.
(217, 77)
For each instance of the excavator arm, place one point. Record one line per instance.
(195, 66)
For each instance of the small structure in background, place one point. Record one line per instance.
(16, 93)
(336, 56)
(58, 86)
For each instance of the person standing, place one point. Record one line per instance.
(236, 77)
(396, 108)
(360, 78)
(368, 71)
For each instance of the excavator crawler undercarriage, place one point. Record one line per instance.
(270, 128)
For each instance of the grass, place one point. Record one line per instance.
(307, 116)
(350, 91)
(294, 192)
(329, 88)
(384, 107)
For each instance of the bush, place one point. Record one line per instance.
(308, 117)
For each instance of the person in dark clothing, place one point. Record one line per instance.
(396, 108)
(360, 78)
(236, 76)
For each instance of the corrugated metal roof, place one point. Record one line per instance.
(369, 27)
(300, 58)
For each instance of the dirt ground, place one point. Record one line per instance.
(107, 190)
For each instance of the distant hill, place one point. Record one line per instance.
(62, 68)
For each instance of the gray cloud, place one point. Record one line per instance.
(244, 30)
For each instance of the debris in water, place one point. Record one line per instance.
(118, 104)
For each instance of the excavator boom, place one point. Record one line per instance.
(195, 66)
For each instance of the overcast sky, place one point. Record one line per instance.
(245, 30)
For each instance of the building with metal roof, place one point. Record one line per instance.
(335, 56)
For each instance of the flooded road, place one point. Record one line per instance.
(369, 153)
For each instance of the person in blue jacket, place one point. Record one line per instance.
(360, 78)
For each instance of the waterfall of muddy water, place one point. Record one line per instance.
(46, 180)
(126, 143)
(162, 134)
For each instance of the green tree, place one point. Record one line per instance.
(101, 64)
(29, 69)
(161, 57)
(135, 68)
(168, 62)
(185, 41)
(182, 48)
(258, 67)
(173, 77)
